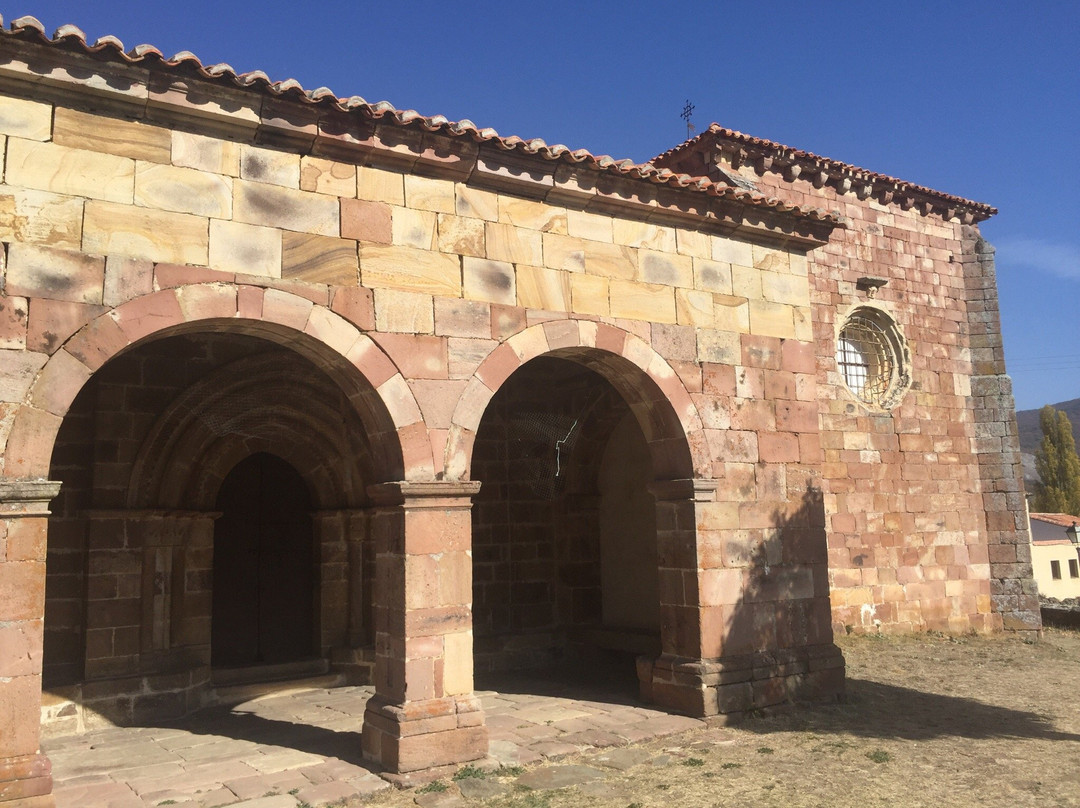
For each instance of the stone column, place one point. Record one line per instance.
(671, 680)
(25, 773)
(424, 713)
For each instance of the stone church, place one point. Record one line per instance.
(291, 382)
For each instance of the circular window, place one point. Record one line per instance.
(872, 358)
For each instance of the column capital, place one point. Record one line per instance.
(21, 497)
(673, 490)
(425, 494)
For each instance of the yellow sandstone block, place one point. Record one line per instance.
(404, 312)
(797, 262)
(783, 288)
(29, 120)
(271, 166)
(274, 206)
(666, 268)
(183, 190)
(38, 217)
(532, 215)
(461, 235)
(731, 313)
(457, 664)
(48, 167)
(543, 288)
(513, 244)
(610, 260)
(563, 252)
(590, 294)
(804, 326)
(377, 185)
(694, 307)
(592, 226)
(745, 282)
(206, 154)
(693, 243)
(488, 281)
(771, 319)
(642, 301)
(245, 248)
(631, 233)
(769, 258)
(327, 177)
(414, 228)
(425, 193)
(712, 276)
(124, 230)
(139, 141)
(476, 203)
(732, 252)
(408, 269)
(319, 259)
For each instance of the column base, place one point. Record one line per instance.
(740, 684)
(424, 734)
(26, 782)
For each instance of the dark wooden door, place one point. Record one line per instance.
(263, 566)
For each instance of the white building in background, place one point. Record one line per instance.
(1055, 557)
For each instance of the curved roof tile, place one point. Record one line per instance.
(791, 154)
(111, 48)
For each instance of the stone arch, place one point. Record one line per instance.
(375, 386)
(245, 407)
(660, 403)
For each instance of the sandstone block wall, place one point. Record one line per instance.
(912, 542)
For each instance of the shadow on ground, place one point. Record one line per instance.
(869, 710)
(875, 710)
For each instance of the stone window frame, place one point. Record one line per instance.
(885, 364)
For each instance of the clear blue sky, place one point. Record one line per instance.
(973, 98)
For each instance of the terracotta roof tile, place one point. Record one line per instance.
(109, 48)
(1059, 519)
(789, 155)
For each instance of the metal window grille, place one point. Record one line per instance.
(866, 359)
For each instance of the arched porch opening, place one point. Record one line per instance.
(148, 454)
(567, 556)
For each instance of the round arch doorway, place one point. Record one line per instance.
(263, 570)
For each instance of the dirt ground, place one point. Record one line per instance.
(927, 721)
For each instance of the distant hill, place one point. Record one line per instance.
(1028, 423)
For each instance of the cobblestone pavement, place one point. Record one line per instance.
(303, 746)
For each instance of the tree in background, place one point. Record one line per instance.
(1058, 466)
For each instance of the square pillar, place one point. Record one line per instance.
(424, 712)
(25, 773)
(744, 611)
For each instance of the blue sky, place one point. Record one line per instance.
(972, 98)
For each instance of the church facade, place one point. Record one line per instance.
(292, 382)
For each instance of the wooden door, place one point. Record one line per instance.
(263, 594)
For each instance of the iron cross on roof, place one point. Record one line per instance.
(687, 111)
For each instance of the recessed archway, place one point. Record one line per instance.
(144, 452)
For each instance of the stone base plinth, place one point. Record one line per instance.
(738, 684)
(423, 734)
(26, 782)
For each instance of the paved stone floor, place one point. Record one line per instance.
(303, 746)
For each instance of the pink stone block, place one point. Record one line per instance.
(356, 304)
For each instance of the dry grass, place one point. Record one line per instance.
(927, 721)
